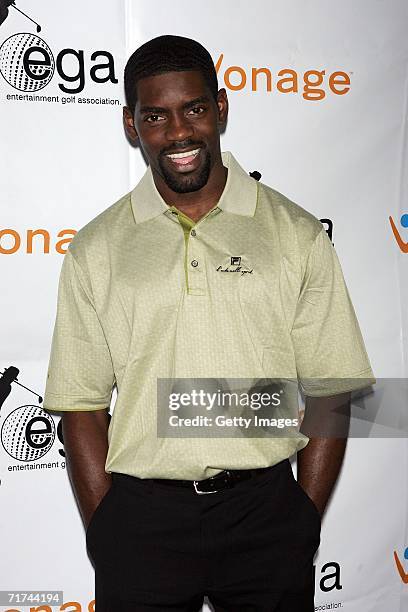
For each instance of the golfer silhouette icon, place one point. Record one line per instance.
(4, 12)
(7, 377)
(4, 4)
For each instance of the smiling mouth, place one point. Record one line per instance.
(183, 159)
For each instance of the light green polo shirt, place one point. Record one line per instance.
(254, 290)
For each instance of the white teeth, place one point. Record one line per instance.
(187, 154)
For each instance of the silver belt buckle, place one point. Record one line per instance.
(195, 483)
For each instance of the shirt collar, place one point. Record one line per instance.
(239, 196)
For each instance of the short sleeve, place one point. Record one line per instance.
(80, 373)
(329, 349)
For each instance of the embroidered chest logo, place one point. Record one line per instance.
(235, 266)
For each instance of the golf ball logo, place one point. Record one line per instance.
(26, 62)
(28, 433)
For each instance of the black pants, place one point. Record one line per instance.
(248, 549)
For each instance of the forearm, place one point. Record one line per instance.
(319, 463)
(318, 466)
(86, 446)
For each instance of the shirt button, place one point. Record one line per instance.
(194, 263)
(193, 233)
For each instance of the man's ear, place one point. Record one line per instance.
(222, 103)
(129, 125)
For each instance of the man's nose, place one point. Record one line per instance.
(179, 128)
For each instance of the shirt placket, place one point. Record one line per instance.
(194, 256)
(195, 265)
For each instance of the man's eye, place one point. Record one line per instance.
(153, 118)
(197, 110)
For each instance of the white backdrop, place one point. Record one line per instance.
(64, 158)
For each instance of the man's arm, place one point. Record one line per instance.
(326, 423)
(86, 445)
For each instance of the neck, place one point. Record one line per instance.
(195, 204)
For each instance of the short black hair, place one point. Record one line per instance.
(167, 54)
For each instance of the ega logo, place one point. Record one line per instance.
(401, 243)
(28, 64)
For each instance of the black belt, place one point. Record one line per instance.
(227, 479)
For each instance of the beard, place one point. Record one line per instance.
(186, 183)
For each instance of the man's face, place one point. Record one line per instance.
(177, 123)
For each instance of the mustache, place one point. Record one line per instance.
(181, 145)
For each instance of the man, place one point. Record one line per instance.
(200, 273)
